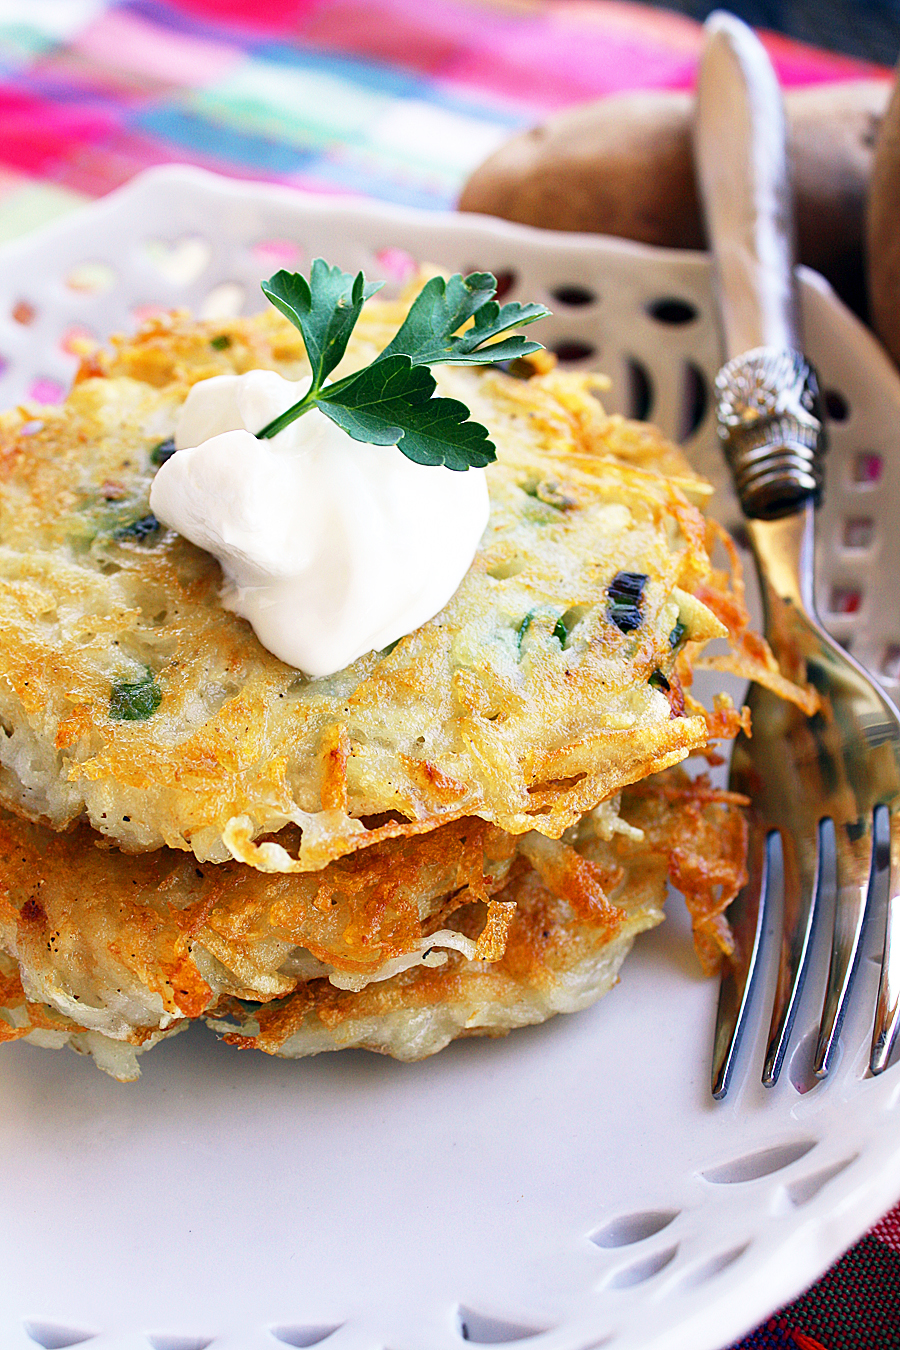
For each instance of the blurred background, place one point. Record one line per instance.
(866, 28)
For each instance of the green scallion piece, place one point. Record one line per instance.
(524, 626)
(134, 700)
(625, 593)
(140, 530)
(677, 634)
(160, 453)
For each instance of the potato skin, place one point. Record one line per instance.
(620, 166)
(623, 166)
(883, 230)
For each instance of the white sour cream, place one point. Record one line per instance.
(330, 547)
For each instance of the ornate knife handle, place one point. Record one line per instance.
(772, 429)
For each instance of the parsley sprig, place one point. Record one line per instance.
(389, 402)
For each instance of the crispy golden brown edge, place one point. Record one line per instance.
(483, 711)
(82, 926)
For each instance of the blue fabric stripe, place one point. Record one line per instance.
(208, 138)
(372, 75)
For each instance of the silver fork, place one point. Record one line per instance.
(843, 762)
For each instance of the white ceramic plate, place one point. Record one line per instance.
(572, 1186)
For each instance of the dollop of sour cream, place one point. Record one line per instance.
(329, 547)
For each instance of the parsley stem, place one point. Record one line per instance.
(309, 400)
(288, 416)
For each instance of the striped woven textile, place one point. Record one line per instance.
(856, 1306)
(387, 98)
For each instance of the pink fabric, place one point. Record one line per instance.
(37, 133)
(128, 42)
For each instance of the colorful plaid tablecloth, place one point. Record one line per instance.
(396, 99)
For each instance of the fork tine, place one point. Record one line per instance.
(887, 1013)
(746, 914)
(854, 859)
(802, 879)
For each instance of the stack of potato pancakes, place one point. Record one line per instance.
(455, 836)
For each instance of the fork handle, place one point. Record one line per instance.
(784, 552)
(772, 430)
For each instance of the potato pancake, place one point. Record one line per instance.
(465, 930)
(457, 835)
(554, 677)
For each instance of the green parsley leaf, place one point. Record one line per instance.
(441, 307)
(325, 309)
(390, 401)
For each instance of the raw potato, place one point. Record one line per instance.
(619, 166)
(883, 230)
(623, 166)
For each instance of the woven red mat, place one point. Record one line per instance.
(855, 1306)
